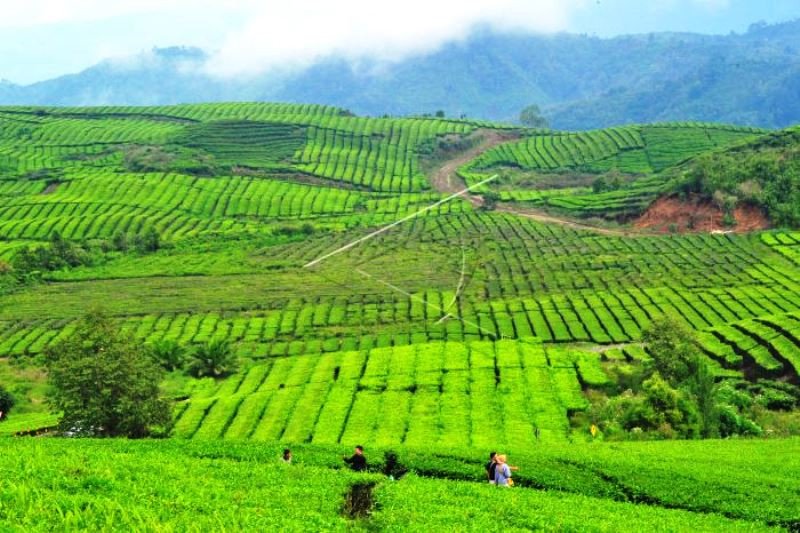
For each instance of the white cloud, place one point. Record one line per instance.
(30, 13)
(297, 33)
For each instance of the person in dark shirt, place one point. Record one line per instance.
(287, 456)
(358, 463)
(491, 466)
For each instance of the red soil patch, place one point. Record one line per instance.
(699, 216)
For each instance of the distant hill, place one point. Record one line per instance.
(581, 82)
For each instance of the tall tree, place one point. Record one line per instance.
(674, 349)
(105, 384)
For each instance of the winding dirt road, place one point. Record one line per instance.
(445, 178)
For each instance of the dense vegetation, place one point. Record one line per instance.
(764, 173)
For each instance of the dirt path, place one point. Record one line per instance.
(540, 216)
(446, 180)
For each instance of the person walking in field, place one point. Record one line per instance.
(502, 472)
(491, 466)
(287, 456)
(358, 463)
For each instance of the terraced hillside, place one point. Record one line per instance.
(562, 171)
(431, 321)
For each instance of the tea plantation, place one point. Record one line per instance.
(490, 322)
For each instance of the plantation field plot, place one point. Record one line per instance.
(8, 249)
(247, 143)
(451, 505)
(634, 153)
(371, 154)
(498, 275)
(630, 149)
(379, 154)
(787, 244)
(623, 203)
(421, 394)
(773, 343)
(99, 205)
(31, 142)
(114, 488)
(712, 485)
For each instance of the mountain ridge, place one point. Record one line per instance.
(580, 81)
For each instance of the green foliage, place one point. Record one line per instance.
(673, 349)
(58, 254)
(149, 242)
(606, 184)
(147, 159)
(7, 402)
(214, 359)
(764, 173)
(659, 409)
(392, 467)
(105, 384)
(703, 387)
(169, 354)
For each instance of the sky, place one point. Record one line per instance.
(41, 39)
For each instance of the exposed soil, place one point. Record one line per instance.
(445, 178)
(358, 502)
(696, 215)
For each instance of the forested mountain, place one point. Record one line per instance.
(581, 81)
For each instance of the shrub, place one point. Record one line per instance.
(146, 158)
(392, 466)
(775, 399)
(6, 403)
(214, 359)
(169, 354)
(58, 254)
(148, 242)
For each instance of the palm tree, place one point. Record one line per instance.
(169, 354)
(214, 359)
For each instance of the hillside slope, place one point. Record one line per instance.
(202, 220)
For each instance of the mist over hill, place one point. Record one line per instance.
(580, 81)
